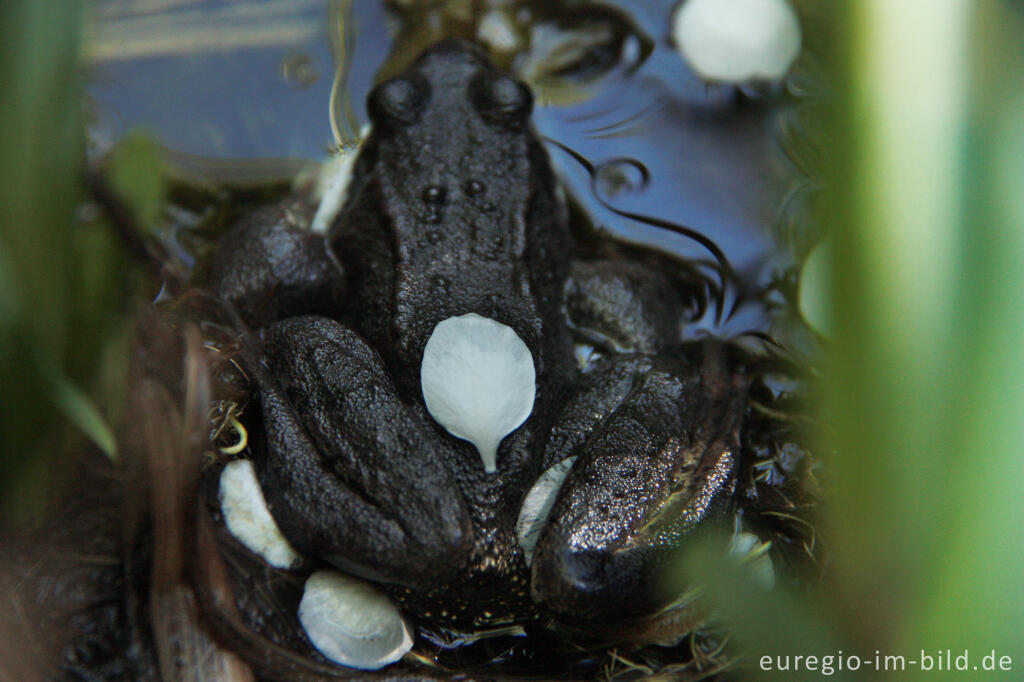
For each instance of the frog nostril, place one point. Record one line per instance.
(501, 99)
(399, 101)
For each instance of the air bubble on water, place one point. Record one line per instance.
(617, 177)
(298, 71)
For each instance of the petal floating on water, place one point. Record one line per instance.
(737, 40)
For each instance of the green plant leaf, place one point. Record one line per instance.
(136, 173)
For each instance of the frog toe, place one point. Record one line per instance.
(591, 584)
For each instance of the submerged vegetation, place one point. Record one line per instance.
(921, 155)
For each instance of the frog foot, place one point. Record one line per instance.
(654, 461)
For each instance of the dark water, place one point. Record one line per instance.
(241, 92)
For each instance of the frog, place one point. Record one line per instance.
(454, 209)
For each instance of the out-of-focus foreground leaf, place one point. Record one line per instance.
(135, 175)
(925, 417)
(927, 398)
(58, 275)
(972, 597)
(897, 212)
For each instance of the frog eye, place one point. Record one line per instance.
(398, 101)
(478, 381)
(501, 99)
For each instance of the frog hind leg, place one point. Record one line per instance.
(356, 480)
(654, 432)
(656, 441)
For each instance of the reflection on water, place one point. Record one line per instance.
(225, 81)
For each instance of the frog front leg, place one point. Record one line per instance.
(351, 474)
(270, 265)
(627, 306)
(654, 433)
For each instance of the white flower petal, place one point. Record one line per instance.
(537, 506)
(478, 381)
(745, 546)
(332, 184)
(497, 29)
(814, 293)
(247, 517)
(351, 622)
(737, 40)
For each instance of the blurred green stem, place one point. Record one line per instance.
(895, 256)
(974, 598)
(926, 370)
